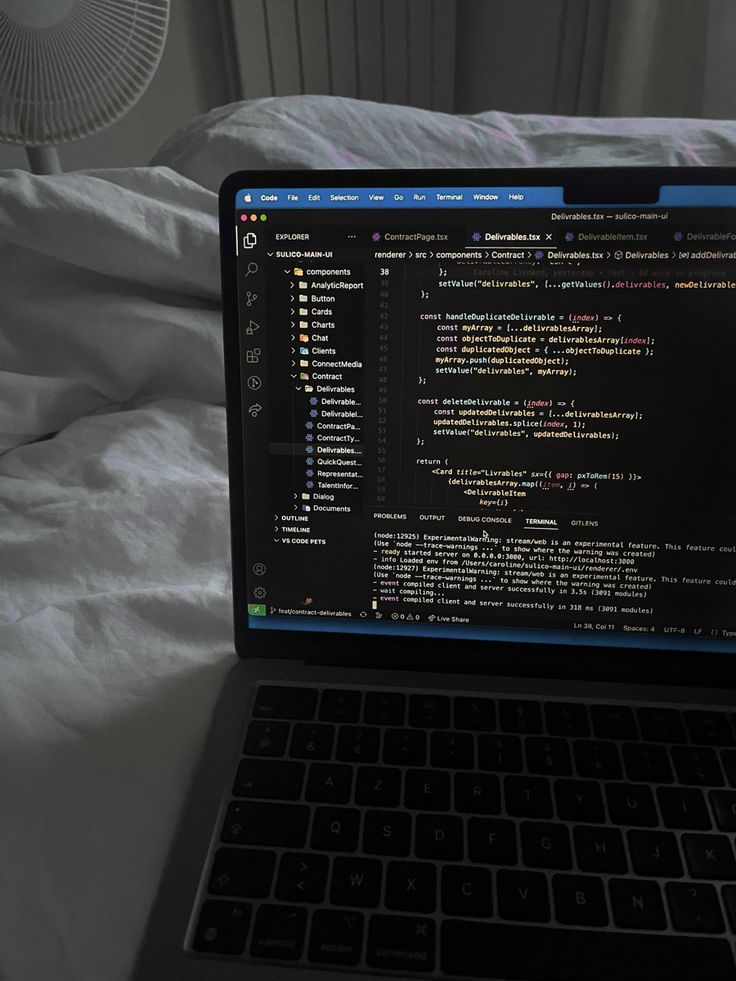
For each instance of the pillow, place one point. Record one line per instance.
(313, 131)
(111, 280)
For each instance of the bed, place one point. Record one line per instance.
(115, 615)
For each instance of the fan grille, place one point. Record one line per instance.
(77, 76)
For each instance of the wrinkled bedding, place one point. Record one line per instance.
(115, 615)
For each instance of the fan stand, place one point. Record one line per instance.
(43, 159)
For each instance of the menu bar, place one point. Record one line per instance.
(688, 195)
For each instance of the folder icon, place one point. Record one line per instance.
(303, 298)
(308, 388)
(303, 376)
(304, 338)
(303, 350)
(298, 271)
(305, 497)
(303, 311)
(303, 363)
(302, 286)
(303, 325)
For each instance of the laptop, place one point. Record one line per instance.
(482, 482)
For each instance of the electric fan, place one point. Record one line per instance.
(71, 67)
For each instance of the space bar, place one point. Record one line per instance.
(489, 950)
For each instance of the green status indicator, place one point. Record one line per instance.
(257, 609)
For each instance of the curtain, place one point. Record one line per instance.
(598, 57)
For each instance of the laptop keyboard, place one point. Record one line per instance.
(463, 836)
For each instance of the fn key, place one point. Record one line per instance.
(222, 927)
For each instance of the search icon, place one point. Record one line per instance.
(252, 268)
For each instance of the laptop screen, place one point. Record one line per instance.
(482, 412)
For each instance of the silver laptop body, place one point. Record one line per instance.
(484, 539)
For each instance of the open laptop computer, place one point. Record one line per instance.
(484, 571)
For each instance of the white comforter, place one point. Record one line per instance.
(115, 616)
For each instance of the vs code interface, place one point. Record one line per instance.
(480, 412)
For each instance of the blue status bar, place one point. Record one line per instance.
(468, 631)
(671, 195)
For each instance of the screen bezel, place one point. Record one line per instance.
(583, 185)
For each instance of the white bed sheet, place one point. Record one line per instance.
(115, 615)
